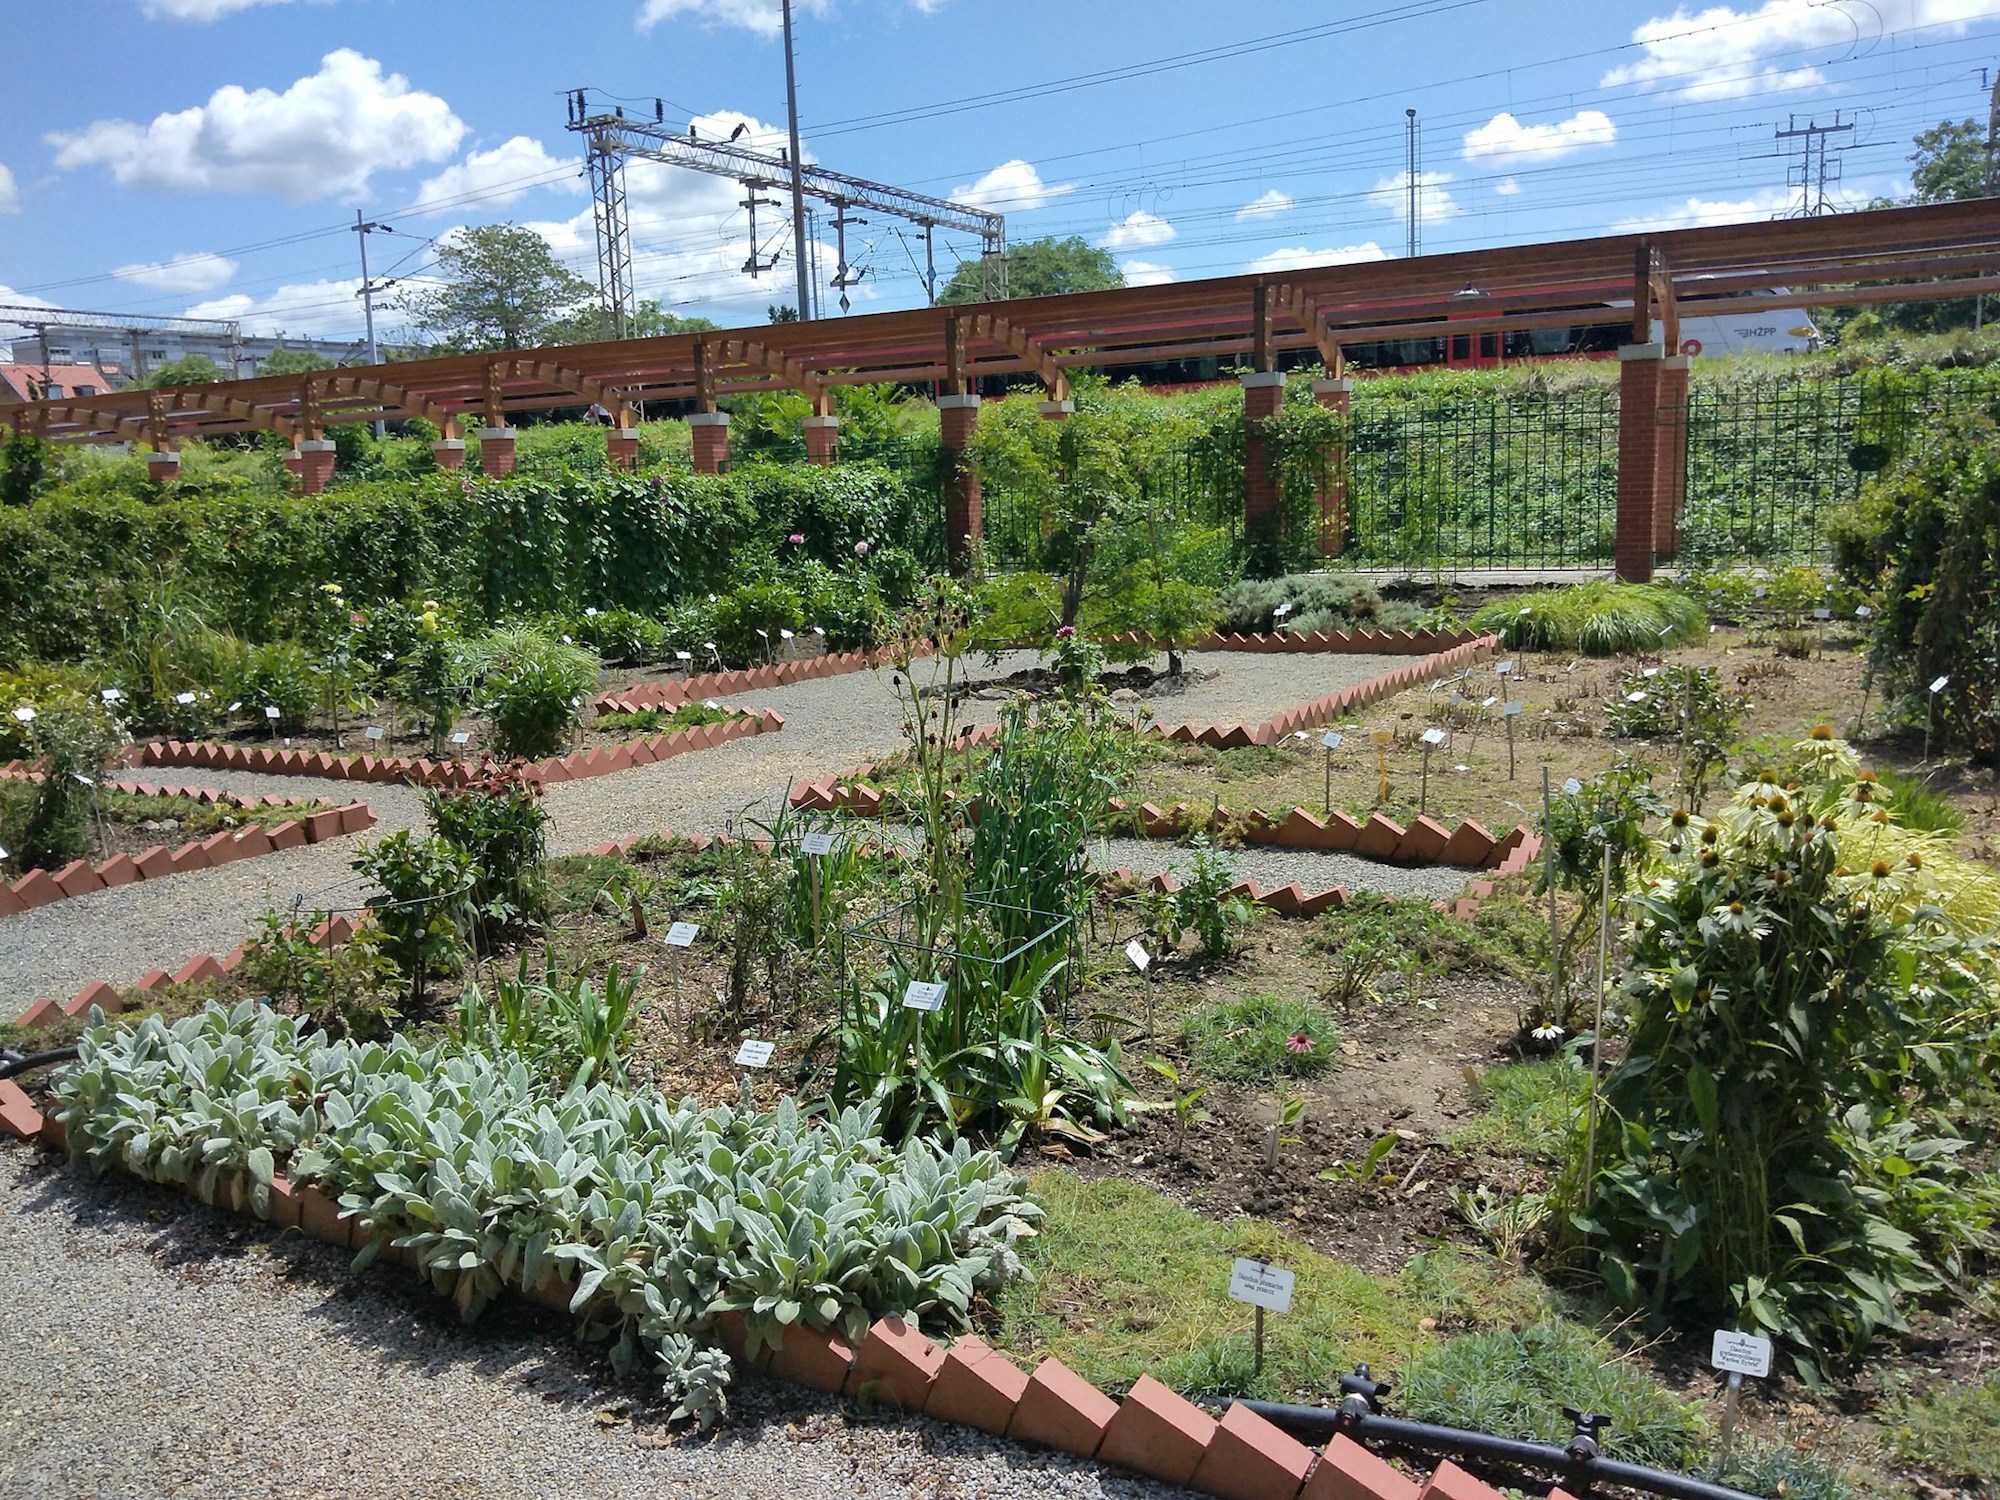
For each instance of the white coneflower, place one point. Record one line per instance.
(1735, 917)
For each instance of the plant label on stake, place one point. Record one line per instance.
(372, 732)
(682, 934)
(1511, 710)
(1930, 710)
(1263, 1286)
(1331, 739)
(924, 995)
(1432, 738)
(816, 843)
(461, 738)
(755, 1054)
(1136, 952)
(1737, 1354)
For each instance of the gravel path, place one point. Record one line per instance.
(153, 1347)
(830, 725)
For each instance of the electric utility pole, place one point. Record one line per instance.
(798, 180)
(1410, 178)
(362, 229)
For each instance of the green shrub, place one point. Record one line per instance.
(740, 615)
(1319, 602)
(533, 688)
(279, 675)
(344, 989)
(75, 739)
(424, 908)
(1258, 1039)
(1516, 1384)
(620, 636)
(1597, 618)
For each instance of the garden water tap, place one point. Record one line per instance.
(1583, 1443)
(1360, 1393)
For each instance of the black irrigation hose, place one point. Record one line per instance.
(1577, 1468)
(12, 1062)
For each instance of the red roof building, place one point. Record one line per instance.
(54, 382)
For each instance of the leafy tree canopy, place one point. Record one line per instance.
(1949, 163)
(1040, 268)
(195, 369)
(592, 325)
(296, 362)
(498, 287)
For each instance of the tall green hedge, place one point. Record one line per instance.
(75, 562)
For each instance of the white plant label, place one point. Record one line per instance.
(184, 699)
(1262, 1285)
(25, 714)
(1512, 708)
(816, 843)
(1282, 610)
(81, 779)
(924, 996)
(1331, 739)
(461, 738)
(1941, 684)
(755, 1054)
(784, 635)
(1650, 672)
(1863, 612)
(683, 656)
(111, 695)
(1488, 701)
(819, 630)
(1572, 787)
(1638, 697)
(1141, 959)
(763, 632)
(3, 853)
(232, 707)
(591, 613)
(682, 934)
(1742, 1353)
(271, 713)
(372, 732)
(710, 703)
(709, 645)
(1433, 736)
(1822, 614)
(1505, 669)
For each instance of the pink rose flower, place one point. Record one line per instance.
(860, 549)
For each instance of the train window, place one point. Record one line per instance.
(1489, 346)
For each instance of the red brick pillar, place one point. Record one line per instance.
(496, 452)
(449, 453)
(1638, 458)
(822, 439)
(711, 441)
(1263, 395)
(1671, 461)
(622, 448)
(964, 518)
(315, 464)
(1335, 395)
(163, 467)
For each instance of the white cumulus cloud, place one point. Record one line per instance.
(1299, 257)
(198, 10)
(1506, 187)
(321, 137)
(10, 195)
(317, 309)
(1696, 213)
(1264, 206)
(1434, 200)
(183, 273)
(1012, 187)
(1505, 142)
(1145, 273)
(1725, 53)
(499, 176)
(1137, 231)
(764, 17)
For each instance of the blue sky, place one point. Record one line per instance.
(205, 156)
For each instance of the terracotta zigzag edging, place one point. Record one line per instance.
(672, 694)
(396, 769)
(40, 888)
(1153, 1431)
(1356, 642)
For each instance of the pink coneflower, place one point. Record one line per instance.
(860, 549)
(797, 539)
(1298, 1042)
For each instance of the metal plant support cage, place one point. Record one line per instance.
(891, 929)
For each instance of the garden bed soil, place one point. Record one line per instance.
(1134, 683)
(412, 744)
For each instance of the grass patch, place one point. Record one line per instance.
(1252, 1040)
(658, 721)
(1953, 1432)
(1598, 618)
(1518, 1383)
(1529, 1107)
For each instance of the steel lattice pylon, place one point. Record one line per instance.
(614, 233)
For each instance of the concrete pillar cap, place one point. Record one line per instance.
(168, 457)
(1058, 408)
(1258, 378)
(950, 403)
(496, 434)
(1677, 362)
(1641, 351)
(1338, 385)
(315, 445)
(708, 419)
(826, 422)
(448, 444)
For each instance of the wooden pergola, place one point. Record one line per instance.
(1889, 255)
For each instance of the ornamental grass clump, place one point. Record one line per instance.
(1598, 618)
(655, 1218)
(1776, 1147)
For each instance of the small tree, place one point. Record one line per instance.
(500, 287)
(1039, 268)
(196, 369)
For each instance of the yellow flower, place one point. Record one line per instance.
(429, 620)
